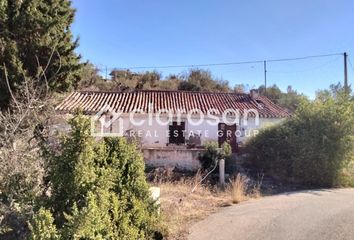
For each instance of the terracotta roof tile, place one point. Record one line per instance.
(92, 102)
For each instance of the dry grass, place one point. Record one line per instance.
(238, 189)
(180, 207)
(256, 190)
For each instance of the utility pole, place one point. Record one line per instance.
(106, 73)
(345, 72)
(265, 76)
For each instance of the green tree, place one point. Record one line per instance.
(125, 79)
(272, 92)
(99, 189)
(35, 40)
(202, 80)
(170, 83)
(188, 86)
(90, 77)
(290, 99)
(148, 80)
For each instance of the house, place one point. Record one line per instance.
(171, 126)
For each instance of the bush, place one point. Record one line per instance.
(43, 227)
(314, 148)
(98, 188)
(209, 158)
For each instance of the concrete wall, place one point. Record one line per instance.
(184, 159)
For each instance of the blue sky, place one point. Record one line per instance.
(121, 34)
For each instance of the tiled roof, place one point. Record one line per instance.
(94, 101)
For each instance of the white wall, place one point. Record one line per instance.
(249, 128)
(155, 135)
(207, 131)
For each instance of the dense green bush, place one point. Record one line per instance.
(213, 153)
(43, 226)
(314, 147)
(98, 190)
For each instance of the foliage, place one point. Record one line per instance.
(314, 148)
(194, 80)
(188, 86)
(289, 99)
(125, 79)
(213, 153)
(148, 80)
(202, 80)
(43, 226)
(241, 88)
(35, 39)
(91, 80)
(209, 158)
(98, 188)
(226, 149)
(170, 83)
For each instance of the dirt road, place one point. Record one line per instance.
(320, 215)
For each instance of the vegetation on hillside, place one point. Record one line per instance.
(290, 99)
(315, 147)
(193, 80)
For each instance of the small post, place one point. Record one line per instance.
(222, 172)
(106, 73)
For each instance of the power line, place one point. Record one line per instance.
(232, 63)
(303, 58)
(307, 69)
(196, 65)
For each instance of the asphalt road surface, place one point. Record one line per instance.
(313, 215)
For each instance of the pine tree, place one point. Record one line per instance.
(35, 39)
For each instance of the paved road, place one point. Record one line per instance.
(310, 215)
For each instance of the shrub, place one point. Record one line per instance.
(313, 148)
(213, 153)
(98, 188)
(209, 158)
(43, 226)
(226, 150)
